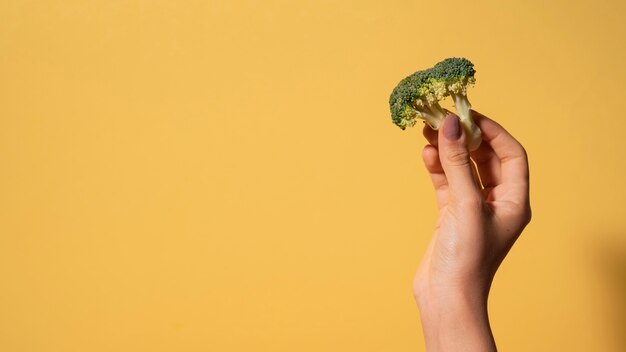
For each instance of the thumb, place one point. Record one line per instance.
(455, 160)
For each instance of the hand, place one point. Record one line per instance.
(483, 208)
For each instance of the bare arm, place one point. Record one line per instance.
(482, 211)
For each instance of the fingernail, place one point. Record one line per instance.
(452, 128)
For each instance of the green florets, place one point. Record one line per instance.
(458, 73)
(454, 68)
(401, 102)
(418, 96)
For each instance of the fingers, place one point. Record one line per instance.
(455, 161)
(487, 163)
(437, 176)
(431, 135)
(433, 165)
(510, 153)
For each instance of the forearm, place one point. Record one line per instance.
(456, 322)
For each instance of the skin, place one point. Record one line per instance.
(483, 207)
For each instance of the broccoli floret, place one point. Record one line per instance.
(418, 96)
(458, 73)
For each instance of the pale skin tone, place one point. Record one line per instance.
(483, 204)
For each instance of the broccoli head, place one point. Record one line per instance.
(418, 96)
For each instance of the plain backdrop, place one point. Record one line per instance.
(225, 176)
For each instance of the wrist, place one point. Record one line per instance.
(473, 293)
(455, 319)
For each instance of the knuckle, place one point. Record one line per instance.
(457, 157)
(523, 152)
(528, 215)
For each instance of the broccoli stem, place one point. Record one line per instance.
(463, 106)
(433, 114)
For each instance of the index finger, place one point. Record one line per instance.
(513, 157)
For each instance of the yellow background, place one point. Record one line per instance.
(224, 175)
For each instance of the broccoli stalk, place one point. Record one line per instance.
(463, 106)
(418, 96)
(432, 113)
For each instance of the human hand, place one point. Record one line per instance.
(482, 211)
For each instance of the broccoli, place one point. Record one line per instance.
(418, 96)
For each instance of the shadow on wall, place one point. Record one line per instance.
(612, 263)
